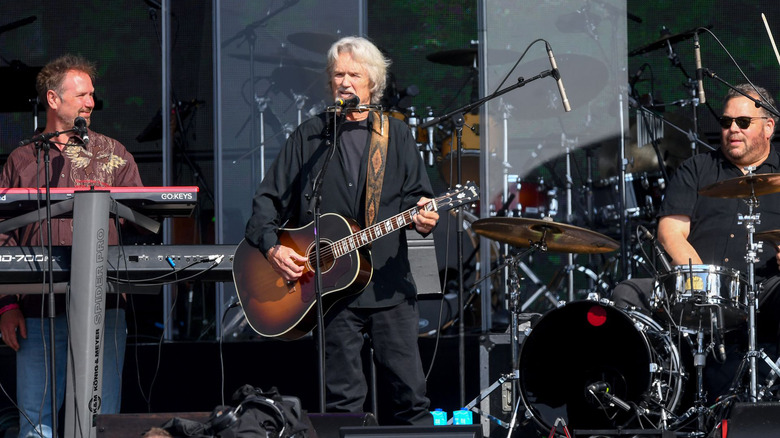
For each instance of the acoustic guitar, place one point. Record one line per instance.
(275, 307)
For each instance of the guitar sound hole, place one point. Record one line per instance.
(326, 257)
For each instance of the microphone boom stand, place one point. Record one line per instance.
(43, 142)
(457, 117)
(316, 199)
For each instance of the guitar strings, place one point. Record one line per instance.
(327, 253)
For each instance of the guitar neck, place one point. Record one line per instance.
(374, 232)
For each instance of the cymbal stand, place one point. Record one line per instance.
(300, 102)
(262, 105)
(457, 117)
(506, 114)
(248, 35)
(753, 248)
(569, 215)
(623, 164)
(511, 263)
(431, 144)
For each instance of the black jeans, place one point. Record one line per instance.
(393, 332)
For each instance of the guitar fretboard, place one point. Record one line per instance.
(368, 235)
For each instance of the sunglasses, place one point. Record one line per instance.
(742, 122)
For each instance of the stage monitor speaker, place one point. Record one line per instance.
(464, 431)
(752, 420)
(328, 425)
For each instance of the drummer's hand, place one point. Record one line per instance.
(425, 220)
(286, 262)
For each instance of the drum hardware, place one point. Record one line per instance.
(300, 102)
(544, 234)
(643, 383)
(457, 117)
(511, 263)
(749, 186)
(426, 147)
(536, 198)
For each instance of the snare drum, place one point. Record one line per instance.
(587, 342)
(689, 293)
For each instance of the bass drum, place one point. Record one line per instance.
(586, 342)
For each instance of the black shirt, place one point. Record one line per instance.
(283, 199)
(715, 232)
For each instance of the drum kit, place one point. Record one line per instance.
(588, 364)
(591, 365)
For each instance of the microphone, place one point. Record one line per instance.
(557, 75)
(717, 321)
(350, 102)
(598, 387)
(80, 125)
(697, 54)
(659, 252)
(602, 388)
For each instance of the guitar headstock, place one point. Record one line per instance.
(460, 195)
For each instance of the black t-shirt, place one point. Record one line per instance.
(716, 233)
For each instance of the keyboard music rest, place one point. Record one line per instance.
(173, 201)
(19, 264)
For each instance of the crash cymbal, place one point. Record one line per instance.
(522, 232)
(280, 60)
(661, 43)
(468, 57)
(770, 236)
(744, 186)
(674, 146)
(314, 42)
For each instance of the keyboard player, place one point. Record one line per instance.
(83, 159)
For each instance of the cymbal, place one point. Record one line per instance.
(674, 146)
(770, 235)
(744, 186)
(314, 42)
(468, 57)
(661, 43)
(522, 232)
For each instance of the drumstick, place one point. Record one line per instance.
(769, 32)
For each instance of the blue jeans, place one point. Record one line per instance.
(33, 383)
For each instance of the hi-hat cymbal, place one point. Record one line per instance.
(558, 237)
(661, 43)
(744, 186)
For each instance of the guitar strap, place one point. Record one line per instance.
(377, 155)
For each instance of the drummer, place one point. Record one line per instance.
(699, 229)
